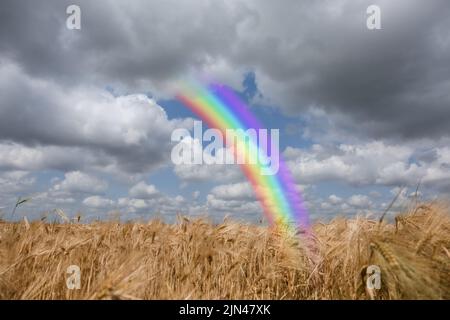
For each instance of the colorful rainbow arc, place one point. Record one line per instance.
(221, 109)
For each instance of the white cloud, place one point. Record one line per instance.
(79, 182)
(236, 191)
(143, 191)
(161, 204)
(16, 181)
(237, 199)
(359, 201)
(98, 202)
(203, 171)
(195, 194)
(133, 204)
(208, 172)
(14, 184)
(82, 127)
(335, 199)
(371, 163)
(239, 207)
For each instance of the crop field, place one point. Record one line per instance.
(196, 259)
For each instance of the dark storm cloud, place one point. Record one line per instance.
(45, 125)
(120, 41)
(390, 82)
(393, 82)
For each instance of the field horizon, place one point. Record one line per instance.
(196, 259)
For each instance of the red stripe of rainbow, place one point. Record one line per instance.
(221, 109)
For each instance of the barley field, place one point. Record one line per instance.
(195, 259)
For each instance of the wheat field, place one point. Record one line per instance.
(196, 259)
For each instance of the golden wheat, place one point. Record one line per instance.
(195, 259)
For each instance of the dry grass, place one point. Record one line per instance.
(199, 260)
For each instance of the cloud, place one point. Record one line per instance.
(16, 181)
(69, 194)
(333, 205)
(206, 172)
(120, 43)
(366, 97)
(360, 201)
(143, 191)
(162, 204)
(371, 163)
(334, 199)
(133, 205)
(386, 83)
(79, 182)
(15, 156)
(237, 207)
(52, 127)
(236, 191)
(237, 199)
(98, 202)
(195, 194)
(14, 184)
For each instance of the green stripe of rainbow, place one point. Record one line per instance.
(222, 110)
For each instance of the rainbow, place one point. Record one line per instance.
(221, 109)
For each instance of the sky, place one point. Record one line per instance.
(86, 115)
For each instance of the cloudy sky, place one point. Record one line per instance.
(86, 115)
